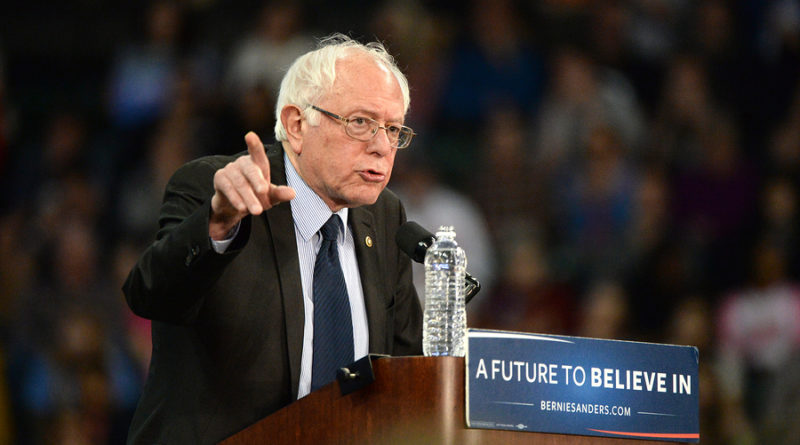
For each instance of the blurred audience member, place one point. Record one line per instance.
(17, 263)
(778, 41)
(654, 271)
(691, 324)
(593, 208)
(779, 221)
(656, 28)
(608, 34)
(528, 297)
(143, 75)
(138, 202)
(684, 113)
(779, 424)
(253, 109)
(510, 187)
(582, 99)
(713, 38)
(712, 413)
(715, 205)
(61, 152)
(261, 58)
(758, 334)
(783, 156)
(604, 311)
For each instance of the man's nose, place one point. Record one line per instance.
(380, 143)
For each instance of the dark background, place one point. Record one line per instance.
(618, 169)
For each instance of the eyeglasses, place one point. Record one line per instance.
(364, 129)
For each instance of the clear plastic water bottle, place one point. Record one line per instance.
(444, 329)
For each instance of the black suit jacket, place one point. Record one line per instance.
(228, 328)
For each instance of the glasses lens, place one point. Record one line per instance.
(364, 128)
(403, 138)
(361, 128)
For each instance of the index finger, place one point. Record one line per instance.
(256, 151)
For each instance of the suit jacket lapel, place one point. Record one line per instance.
(281, 227)
(362, 224)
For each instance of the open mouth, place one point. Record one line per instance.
(372, 175)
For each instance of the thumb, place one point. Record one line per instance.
(280, 193)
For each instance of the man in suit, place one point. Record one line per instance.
(230, 280)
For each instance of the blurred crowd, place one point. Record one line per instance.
(623, 169)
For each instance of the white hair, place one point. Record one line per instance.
(311, 76)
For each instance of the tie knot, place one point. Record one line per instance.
(330, 230)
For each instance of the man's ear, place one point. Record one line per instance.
(292, 120)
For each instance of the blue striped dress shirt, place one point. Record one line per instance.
(310, 213)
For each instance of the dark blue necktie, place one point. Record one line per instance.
(333, 327)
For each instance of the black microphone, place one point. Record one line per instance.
(414, 240)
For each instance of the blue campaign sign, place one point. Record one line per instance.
(574, 385)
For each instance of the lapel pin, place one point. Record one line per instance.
(368, 241)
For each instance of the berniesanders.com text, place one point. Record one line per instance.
(585, 408)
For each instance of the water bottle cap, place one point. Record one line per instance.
(446, 231)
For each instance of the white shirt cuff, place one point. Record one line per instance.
(222, 245)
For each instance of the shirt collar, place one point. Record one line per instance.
(309, 211)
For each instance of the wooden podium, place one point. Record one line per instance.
(413, 400)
